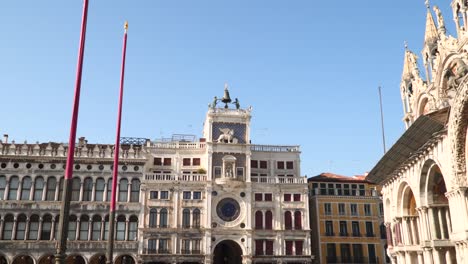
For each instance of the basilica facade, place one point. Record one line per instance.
(216, 199)
(424, 173)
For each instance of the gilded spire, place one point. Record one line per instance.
(410, 64)
(126, 26)
(431, 34)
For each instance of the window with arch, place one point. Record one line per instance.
(57, 219)
(72, 227)
(99, 194)
(76, 186)
(60, 197)
(2, 186)
(106, 227)
(153, 217)
(123, 190)
(84, 227)
(38, 188)
(13, 188)
(96, 228)
(163, 218)
(120, 230)
(87, 189)
(298, 220)
(33, 227)
(196, 218)
(135, 191)
(8, 227)
(46, 227)
(288, 220)
(21, 227)
(51, 187)
(268, 220)
(132, 228)
(258, 220)
(186, 218)
(26, 188)
(109, 189)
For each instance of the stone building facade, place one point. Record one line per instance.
(424, 174)
(346, 214)
(219, 199)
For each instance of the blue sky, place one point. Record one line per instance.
(309, 69)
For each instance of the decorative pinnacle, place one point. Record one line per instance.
(427, 4)
(126, 26)
(225, 86)
(406, 45)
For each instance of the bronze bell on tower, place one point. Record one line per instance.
(226, 98)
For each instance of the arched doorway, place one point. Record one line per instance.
(125, 259)
(227, 252)
(23, 260)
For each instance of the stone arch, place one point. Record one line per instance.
(228, 251)
(98, 259)
(388, 210)
(424, 104)
(124, 259)
(432, 184)
(23, 259)
(406, 201)
(75, 259)
(444, 66)
(47, 259)
(457, 127)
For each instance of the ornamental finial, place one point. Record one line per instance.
(427, 4)
(126, 26)
(406, 45)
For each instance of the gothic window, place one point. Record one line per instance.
(288, 220)
(163, 218)
(120, 230)
(135, 191)
(87, 189)
(26, 188)
(84, 227)
(297, 220)
(109, 189)
(13, 190)
(196, 218)
(2, 186)
(299, 244)
(20, 227)
(152, 217)
(258, 220)
(268, 220)
(38, 188)
(72, 227)
(76, 186)
(96, 226)
(46, 227)
(186, 218)
(123, 190)
(132, 228)
(51, 187)
(99, 193)
(8, 227)
(33, 227)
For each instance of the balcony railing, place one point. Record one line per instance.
(175, 177)
(271, 148)
(282, 180)
(156, 251)
(178, 145)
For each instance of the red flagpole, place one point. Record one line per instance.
(65, 208)
(110, 244)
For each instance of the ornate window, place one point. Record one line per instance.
(123, 190)
(259, 247)
(288, 220)
(196, 218)
(299, 244)
(163, 218)
(297, 220)
(60, 197)
(106, 227)
(2, 186)
(186, 218)
(96, 226)
(120, 232)
(33, 227)
(72, 227)
(268, 220)
(38, 188)
(84, 227)
(46, 227)
(99, 194)
(51, 187)
(26, 188)
(87, 189)
(109, 189)
(21, 227)
(135, 191)
(228, 209)
(13, 190)
(132, 228)
(153, 217)
(258, 220)
(76, 186)
(8, 227)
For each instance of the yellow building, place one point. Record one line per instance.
(346, 219)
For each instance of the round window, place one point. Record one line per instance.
(228, 209)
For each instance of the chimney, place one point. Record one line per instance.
(5, 138)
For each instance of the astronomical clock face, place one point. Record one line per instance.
(228, 209)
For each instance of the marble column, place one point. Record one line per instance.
(103, 227)
(78, 226)
(420, 257)
(126, 229)
(7, 190)
(448, 257)
(90, 228)
(26, 233)
(1, 226)
(436, 254)
(442, 224)
(39, 230)
(52, 230)
(15, 223)
(81, 191)
(448, 221)
(57, 191)
(93, 192)
(414, 227)
(432, 225)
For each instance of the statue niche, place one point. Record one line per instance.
(455, 73)
(227, 136)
